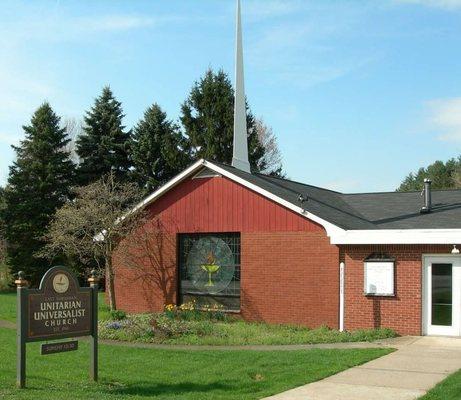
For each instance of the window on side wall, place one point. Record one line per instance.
(209, 270)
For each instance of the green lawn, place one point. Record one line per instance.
(232, 331)
(8, 306)
(448, 389)
(159, 374)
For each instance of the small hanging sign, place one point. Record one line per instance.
(59, 347)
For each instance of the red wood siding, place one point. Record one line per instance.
(220, 205)
(289, 269)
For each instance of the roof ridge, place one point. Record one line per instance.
(298, 182)
(397, 192)
(353, 212)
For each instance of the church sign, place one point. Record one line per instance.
(58, 309)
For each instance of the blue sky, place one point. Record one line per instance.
(359, 93)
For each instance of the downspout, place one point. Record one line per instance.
(341, 296)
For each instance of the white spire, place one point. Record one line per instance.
(240, 155)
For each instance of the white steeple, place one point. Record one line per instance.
(240, 154)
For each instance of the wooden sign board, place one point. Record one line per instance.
(59, 347)
(58, 309)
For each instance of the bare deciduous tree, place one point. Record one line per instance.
(272, 157)
(74, 128)
(90, 226)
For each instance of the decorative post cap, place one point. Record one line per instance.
(21, 281)
(93, 277)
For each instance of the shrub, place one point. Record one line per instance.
(6, 280)
(117, 315)
(169, 327)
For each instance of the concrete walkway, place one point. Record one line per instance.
(261, 347)
(418, 365)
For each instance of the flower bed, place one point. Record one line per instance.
(187, 324)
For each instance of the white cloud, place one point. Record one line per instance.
(62, 28)
(118, 22)
(443, 4)
(305, 54)
(445, 117)
(112, 23)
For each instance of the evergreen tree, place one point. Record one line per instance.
(208, 119)
(444, 175)
(39, 182)
(159, 150)
(103, 147)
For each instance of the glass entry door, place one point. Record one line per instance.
(442, 295)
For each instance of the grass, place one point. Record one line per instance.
(448, 389)
(198, 329)
(137, 373)
(8, 306)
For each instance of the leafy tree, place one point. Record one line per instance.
(103, 147)
(39, 182)
(89, 227)
(207, 116)
(443, 175)
(159, 150)
(5, 278)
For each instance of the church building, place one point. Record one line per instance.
(275, 250)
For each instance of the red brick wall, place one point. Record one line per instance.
(290, 277)
(289, 271)
(402, 312)
(141, 285)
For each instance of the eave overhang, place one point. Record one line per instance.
(338, 235)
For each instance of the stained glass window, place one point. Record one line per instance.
(209, 269)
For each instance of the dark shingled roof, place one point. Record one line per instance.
(390, 210)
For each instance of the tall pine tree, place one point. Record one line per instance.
(103, 146)
(159, 151)
(444, 175)
(39, 182)
(208, 119)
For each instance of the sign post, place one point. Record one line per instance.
(94, 283)
(21, 289)
(58, 309)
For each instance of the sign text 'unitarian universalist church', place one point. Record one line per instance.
(58, 309)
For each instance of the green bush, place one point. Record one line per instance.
(6, 279)
(167, 327)
(117, 315)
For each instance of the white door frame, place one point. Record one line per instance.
(428, 328)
